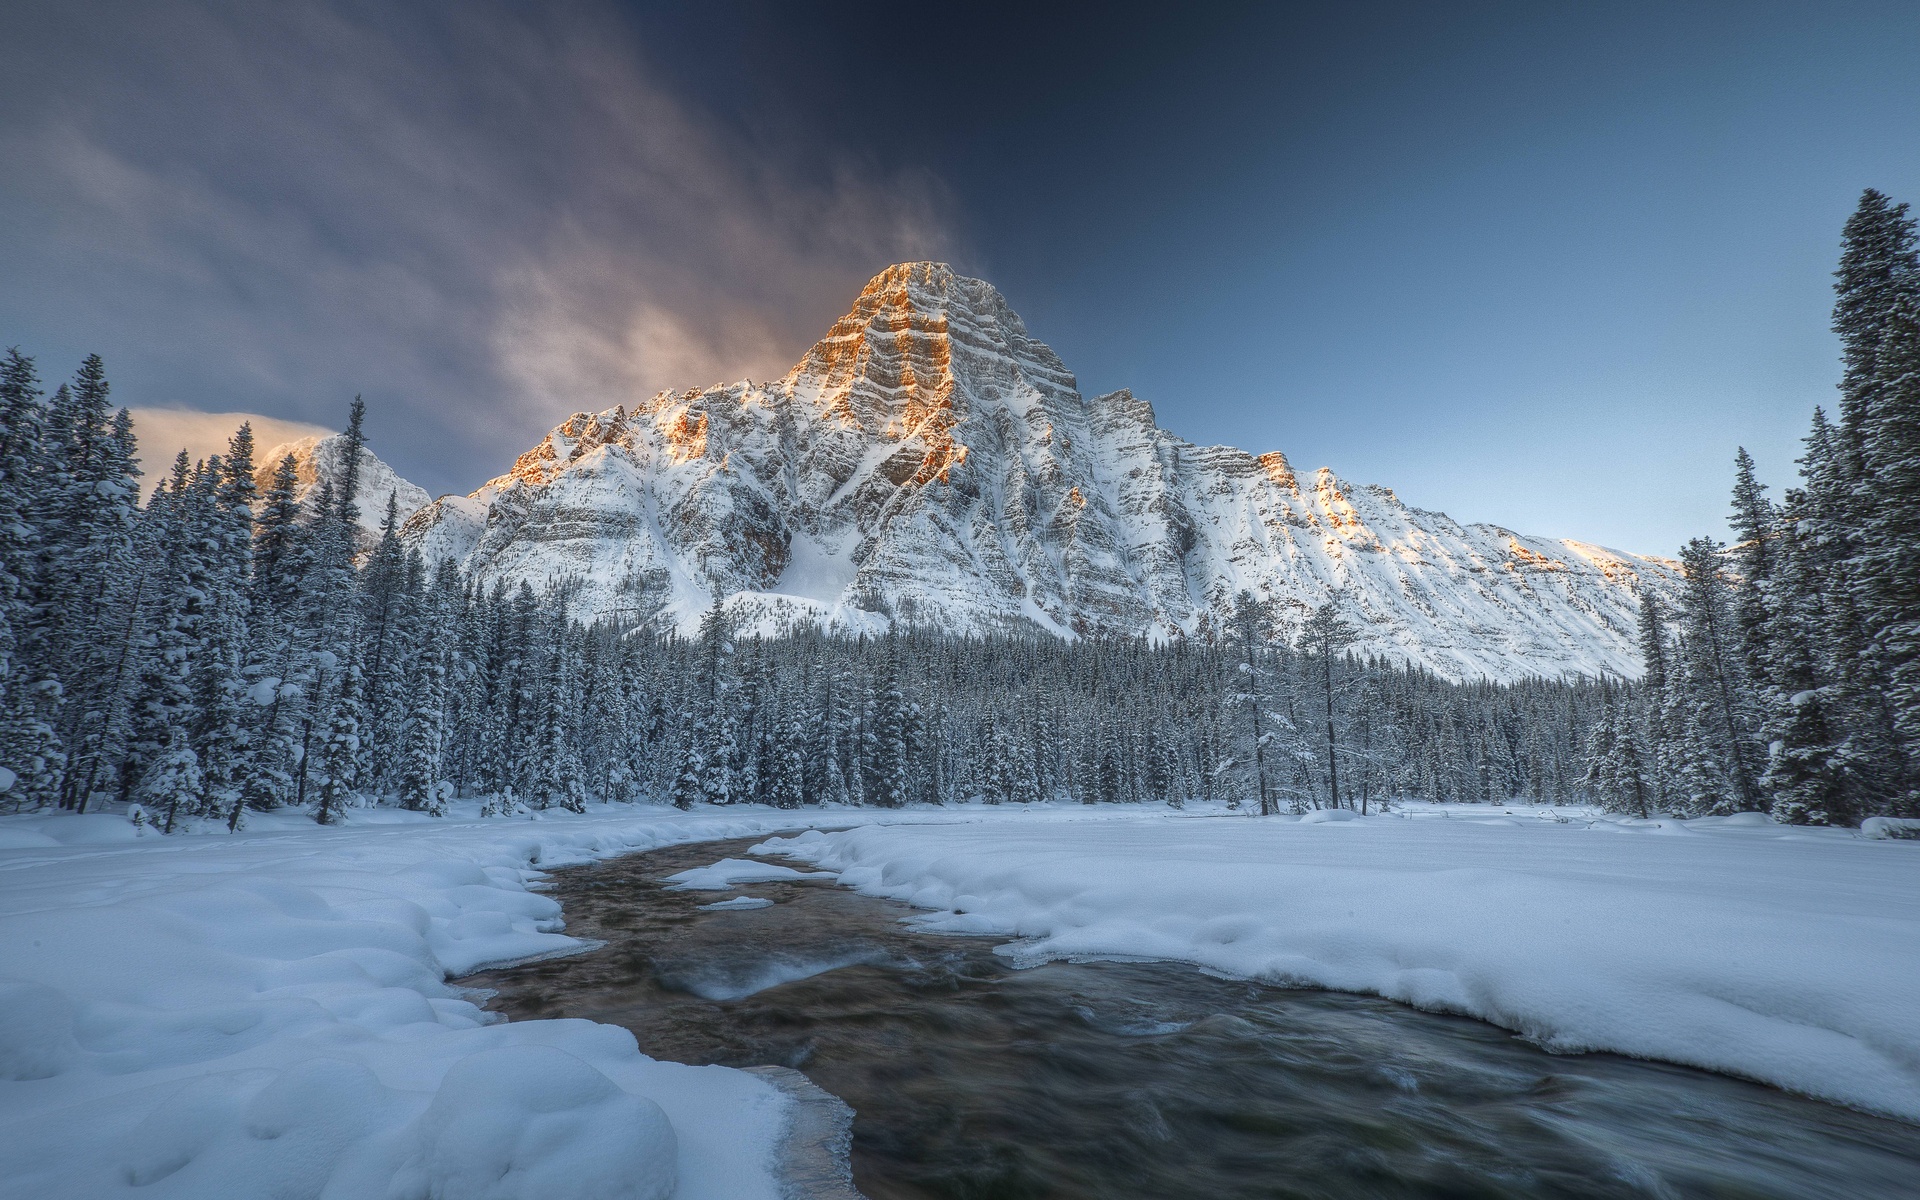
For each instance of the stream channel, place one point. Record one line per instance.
(972, 1080)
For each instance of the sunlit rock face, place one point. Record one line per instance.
(930, 462)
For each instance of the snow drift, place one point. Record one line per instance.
(1786, 956)
(267, 1015)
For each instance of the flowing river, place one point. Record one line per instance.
(971, 1080)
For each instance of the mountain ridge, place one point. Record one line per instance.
(930, 461)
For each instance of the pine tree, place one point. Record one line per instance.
(392, 594)
(1615, 767)
(173, 783)
(689, 782)
(1877, 266)
(348, 449)
(30, 750)
(1325, 636)
(278, 565)
(1719, 729)
(20, 451)
(1754, 526)
(339, 753)
(884, 749)
(89, 580)
(420, 770)
(1804, 776)
(1887, 565)
(1248, 700)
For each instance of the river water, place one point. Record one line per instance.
(971, 1080)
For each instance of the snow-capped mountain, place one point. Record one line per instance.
(930, 461)
(317, 460)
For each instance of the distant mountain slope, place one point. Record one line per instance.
(317, 460)
(929, 461)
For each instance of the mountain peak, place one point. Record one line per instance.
(931, 462)
(929, 287)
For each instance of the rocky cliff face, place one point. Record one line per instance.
(929, 461)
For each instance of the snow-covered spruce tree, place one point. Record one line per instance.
(1654, 698)
(173, 785)
(1862, 491)
(997, 782)
(1879, 259)
(713, 692)
(175, 524)
(1805, 777)
(884, 741)
(1808, 774)
(1887, 566)
(388, 593)
(690, 780)
(339, 752)
(20, 501)
(1717, 702)
(420, 764)
(30, 749)
(1371, 732)
(1248, 699)
(786, 776)
(327, 632)
(1756, 552)
(557, 777)
(834, 732)
(88, 607)
(279, 660)
(1023, 779)
(223, 735)
(602, 707)
(1325, 637)
(1615, 769)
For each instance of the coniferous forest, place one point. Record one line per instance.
(1789, 678)
(217, 650)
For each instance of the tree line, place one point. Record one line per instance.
(220, 650)
(1788, 679)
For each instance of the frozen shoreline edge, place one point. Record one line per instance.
(1055, 899)
(813, 1159)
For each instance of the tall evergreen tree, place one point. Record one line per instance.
(1887, 566)
(1877, 267)
(1325, 636)
(30, 750)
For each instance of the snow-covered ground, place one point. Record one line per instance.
(1790, 956)
(267, 1014)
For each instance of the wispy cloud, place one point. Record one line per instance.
(162, 433)
(482, 216)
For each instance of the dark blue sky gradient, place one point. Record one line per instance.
(1539, 264)
(1535, 263)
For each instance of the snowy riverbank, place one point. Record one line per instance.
(266, 1014)
(1790, 956)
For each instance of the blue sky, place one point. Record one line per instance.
(1539, 264)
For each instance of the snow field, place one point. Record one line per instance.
(267, 1015)
(1788, 956)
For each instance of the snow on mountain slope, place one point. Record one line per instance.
(317, 460)
(929, 461)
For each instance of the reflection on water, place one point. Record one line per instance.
(972, 1080)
